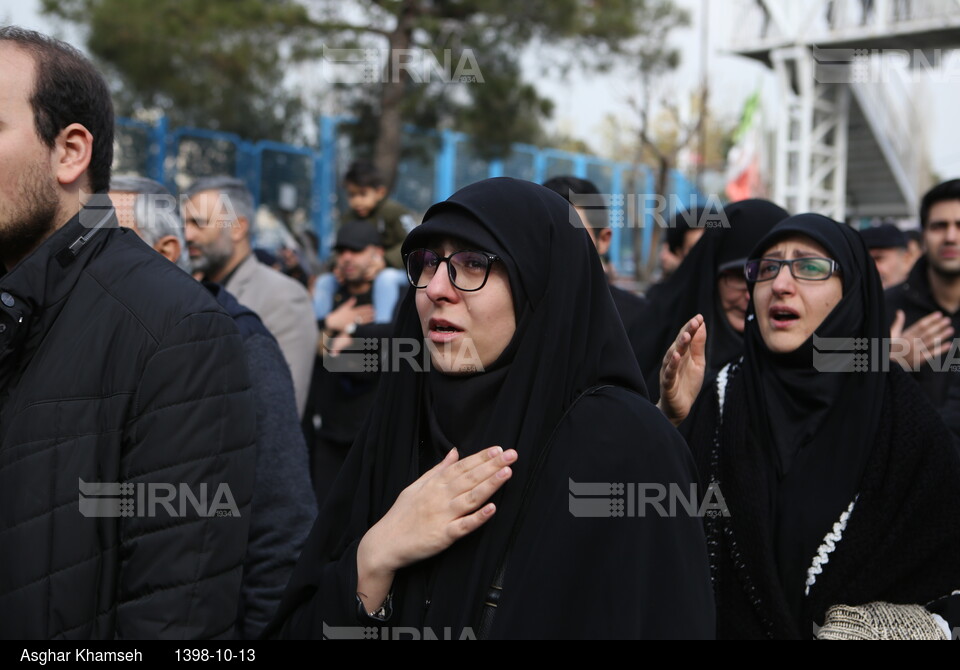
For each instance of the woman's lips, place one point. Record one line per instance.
(442, 331)
(783, 317)
(443, 337)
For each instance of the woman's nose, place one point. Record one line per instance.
(784, 281)
(439, 287)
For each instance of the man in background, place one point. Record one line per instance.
(596, 220)
(356, 301)
(887, 245)
(219, 220)
(926, 307)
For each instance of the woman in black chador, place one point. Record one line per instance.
(841, 481)
(710, 282)
(462, 488)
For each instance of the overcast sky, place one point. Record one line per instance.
(584, 100)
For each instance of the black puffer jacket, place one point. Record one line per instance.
(115, 366)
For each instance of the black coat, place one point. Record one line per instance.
(115, 366)
(915, 298)
(899, 544)
(283, 504)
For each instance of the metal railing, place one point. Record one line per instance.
(303, 183)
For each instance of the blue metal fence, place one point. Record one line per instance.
(289, 178)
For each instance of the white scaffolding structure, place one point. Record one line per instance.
(849, 136)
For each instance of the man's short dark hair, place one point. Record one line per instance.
(568, 186)
(948, 190)
(364, 174)
(68, 89)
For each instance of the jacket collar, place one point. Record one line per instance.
(34, 292)
(917, 288)
(242, 274)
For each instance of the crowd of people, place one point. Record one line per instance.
(461, 426)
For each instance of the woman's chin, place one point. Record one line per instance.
(784, 343)
(454, 366)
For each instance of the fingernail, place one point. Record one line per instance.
(504, 473)
(494, 452)
(489, 509)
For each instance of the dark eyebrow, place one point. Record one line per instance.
(797, 253)
(807, 253)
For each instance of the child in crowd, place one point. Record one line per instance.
(367, 198)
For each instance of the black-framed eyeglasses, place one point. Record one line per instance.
(468, 270)
(812, 269)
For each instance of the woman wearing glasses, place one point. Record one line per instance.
(486, 496)
(837, 474)
(709, 282)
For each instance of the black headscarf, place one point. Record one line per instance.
(692, 289)
(569, 338)
(456, 405)
(792, 448)
(816, 427)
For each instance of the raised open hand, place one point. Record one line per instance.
(682, 372)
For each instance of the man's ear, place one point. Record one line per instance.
(73, 151)
(604, 238)
(240, 230)
(169, 247)
(381, 192)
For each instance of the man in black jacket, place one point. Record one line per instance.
(926, 307)
(126, 423)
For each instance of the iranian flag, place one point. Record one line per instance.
(743, 161)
